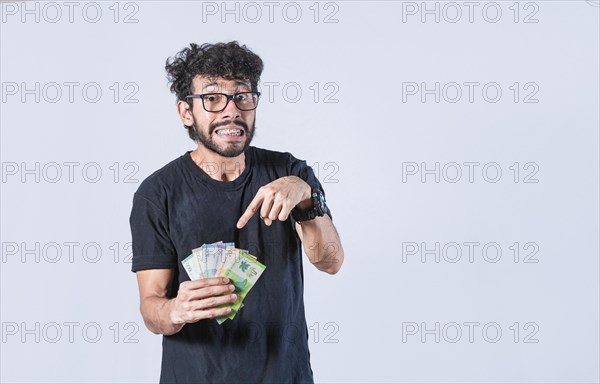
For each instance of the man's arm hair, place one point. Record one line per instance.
(154, 304)
(322, 244)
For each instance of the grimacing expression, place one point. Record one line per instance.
(229, 132)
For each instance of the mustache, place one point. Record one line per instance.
(240, 123)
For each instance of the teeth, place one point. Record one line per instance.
(235, 132)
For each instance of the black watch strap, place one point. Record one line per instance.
(319, 207)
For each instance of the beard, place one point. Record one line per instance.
(228, 150)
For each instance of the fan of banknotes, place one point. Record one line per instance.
(224, 259)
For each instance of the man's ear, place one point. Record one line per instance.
(185, 112)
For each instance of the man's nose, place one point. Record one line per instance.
(231, 110)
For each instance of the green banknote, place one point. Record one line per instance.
(243, 272)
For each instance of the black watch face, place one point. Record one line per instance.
(320, 202)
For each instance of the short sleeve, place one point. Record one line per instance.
(299, 168)
(151, 244)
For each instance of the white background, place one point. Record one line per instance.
(388, 316)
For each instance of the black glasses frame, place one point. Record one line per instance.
(229, 97)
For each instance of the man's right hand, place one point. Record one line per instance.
(196, 300)
(200, 299)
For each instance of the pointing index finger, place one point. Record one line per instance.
(250, 211)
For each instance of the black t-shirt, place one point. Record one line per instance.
(178, 208)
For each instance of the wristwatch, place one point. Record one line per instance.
(319, 207)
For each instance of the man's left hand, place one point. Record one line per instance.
(277, 199)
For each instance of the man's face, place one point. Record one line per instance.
(229, 132)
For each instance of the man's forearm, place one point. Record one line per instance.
(322, 244)
(156, 312)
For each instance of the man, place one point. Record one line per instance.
(267, 202)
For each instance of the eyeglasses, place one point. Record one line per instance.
(216, 102)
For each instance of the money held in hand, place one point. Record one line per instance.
(225, 260)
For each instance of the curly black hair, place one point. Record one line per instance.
(230, 61)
